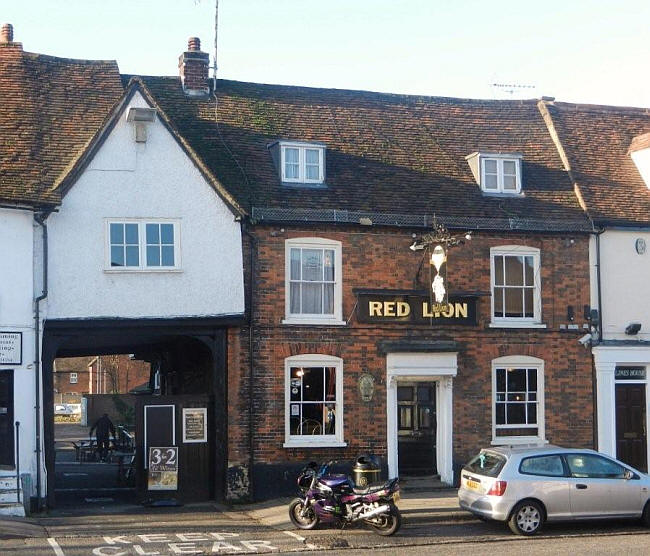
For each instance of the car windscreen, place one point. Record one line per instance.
(489, 464)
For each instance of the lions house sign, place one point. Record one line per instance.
(414, 307)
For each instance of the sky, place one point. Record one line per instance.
(591, 51)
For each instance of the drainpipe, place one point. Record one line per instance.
(600, 299)
(600, 339)
(251, 456)
(40, 220)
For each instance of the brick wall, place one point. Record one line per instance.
(380, 259)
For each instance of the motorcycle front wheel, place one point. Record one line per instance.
(307, 521)
(389, 523)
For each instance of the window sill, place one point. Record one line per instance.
(319, 444)
(125, 270)
(509, 440)
(317, 322)
(514, 324)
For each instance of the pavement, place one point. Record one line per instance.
(434, 505)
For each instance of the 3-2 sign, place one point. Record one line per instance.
(163, 458)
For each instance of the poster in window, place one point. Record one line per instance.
(295, 409)
(195, 424)
(163, 468)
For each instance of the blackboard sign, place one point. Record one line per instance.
(630, 373)
(195, 424)
(413, 307)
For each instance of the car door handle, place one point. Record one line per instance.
(580, 486)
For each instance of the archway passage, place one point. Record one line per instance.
(187, 358)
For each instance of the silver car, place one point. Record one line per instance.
(527, 486)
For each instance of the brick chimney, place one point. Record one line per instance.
(193, 68)
(7, 37)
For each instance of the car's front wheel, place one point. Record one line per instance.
(527, 518)
(645, 517)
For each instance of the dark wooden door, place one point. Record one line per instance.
(416, 425)
(7, 418)
(631, 437)
(159, 422)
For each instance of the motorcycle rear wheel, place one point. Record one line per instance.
(388, 524)
(308, 521)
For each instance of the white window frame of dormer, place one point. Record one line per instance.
(142, 245)
(335, 319)
(499, 160)
(74, 378)
(528, 363)
(335, 440)
(302, 162)
(517, 322)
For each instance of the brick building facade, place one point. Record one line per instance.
(381, 260)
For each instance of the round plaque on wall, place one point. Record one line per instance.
(640, 246)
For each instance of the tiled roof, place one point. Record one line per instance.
(385, 153)
(597, 140)
(49, 109)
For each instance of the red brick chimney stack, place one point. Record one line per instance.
(193, 67)
(7, 39)
(7, 33)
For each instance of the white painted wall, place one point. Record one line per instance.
(642, 160)
(16, 315)
(143, 180)
(625, 284)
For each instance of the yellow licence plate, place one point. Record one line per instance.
(396, 497)
(473, 485)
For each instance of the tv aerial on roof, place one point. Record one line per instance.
(513, 90)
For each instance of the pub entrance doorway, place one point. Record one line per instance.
(416, 424)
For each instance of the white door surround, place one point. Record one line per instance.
(438, 367)
(606, 359)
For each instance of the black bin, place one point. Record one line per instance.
(365, 471)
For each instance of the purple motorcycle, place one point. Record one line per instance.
(333, 498)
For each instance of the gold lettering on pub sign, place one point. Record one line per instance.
(403, 309)
(457, 310)
(389, 309)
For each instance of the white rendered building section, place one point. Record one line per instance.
(624, 269)
(424, 367)
(153, 180)
(16, 315)
(642, 160)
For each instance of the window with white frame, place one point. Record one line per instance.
(517, 400)
(314, 401)
(516, 284)
(500, 174)
(143, 245)
(302, 163)
(73, 378)
(313, 281)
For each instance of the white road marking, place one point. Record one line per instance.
(296, 536)
(55, 546)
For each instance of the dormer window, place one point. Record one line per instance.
(497, 173)
(300, 163)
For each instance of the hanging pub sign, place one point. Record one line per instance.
(414, 307)
(630, 373)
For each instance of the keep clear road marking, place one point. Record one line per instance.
(55, 546)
